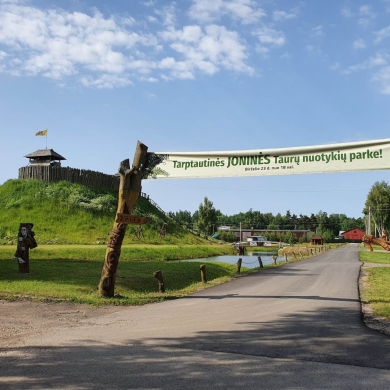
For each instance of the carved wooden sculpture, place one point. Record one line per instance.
(26, 241)
(163, 230)
(129, 189)
(139, 233)
(369, 239)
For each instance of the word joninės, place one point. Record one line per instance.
(267, 159)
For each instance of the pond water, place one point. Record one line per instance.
(250, 260)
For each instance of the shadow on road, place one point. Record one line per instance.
(211, 359)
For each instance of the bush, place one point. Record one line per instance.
(228, 236)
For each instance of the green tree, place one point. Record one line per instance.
(228, 237)
(182, 217)
(207, 217)
(378, 202)
(323, 221)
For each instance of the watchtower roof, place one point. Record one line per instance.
(45, 154)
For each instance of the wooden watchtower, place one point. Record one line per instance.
(45, 157)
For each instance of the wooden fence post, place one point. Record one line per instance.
(286, 257)
(260, 262)
(159, 277)
(203, 273)
(274, 258)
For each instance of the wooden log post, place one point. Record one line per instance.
(295, 256)
(158, 275)
(260, 262)
(274, 258)
(286, 257)
(129, 189)
(239, 262)
(300, 252)
(203, 273)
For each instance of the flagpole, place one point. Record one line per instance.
(46, 137)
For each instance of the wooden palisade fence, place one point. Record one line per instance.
(73, 175)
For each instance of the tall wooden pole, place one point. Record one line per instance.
(129, 189)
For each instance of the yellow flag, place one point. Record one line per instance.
(41, 132)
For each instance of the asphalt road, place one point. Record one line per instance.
(298, 326)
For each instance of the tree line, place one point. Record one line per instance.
(207, 219)
(376, 212)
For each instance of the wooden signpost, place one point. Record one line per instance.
(130, 219)
(129, 189)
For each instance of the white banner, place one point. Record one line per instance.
(344, 157)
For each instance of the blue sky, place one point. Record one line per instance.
(198, 75)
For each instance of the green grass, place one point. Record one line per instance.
(60, 274)
(377, 290)
(68, 213)
(375, 257)
(377, 294)
(69, 219)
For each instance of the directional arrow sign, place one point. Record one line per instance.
(127, 219)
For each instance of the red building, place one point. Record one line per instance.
(317, 240)
(354, 234)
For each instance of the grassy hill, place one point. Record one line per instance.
(67, 213)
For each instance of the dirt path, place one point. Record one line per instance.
(20, 319)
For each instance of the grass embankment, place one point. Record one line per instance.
(72, 273)
(377, 291)
(68, 213)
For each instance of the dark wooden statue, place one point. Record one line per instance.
(129, 189)
(26, 241)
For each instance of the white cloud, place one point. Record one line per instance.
(387, 5)
(317, 31)
(382, 34)
(105, 81)
(279, 16)
(207, 51)
(335, 66)
(207, 11)
(383, 79)
(269, 36)
(110, 52)
(316, 51)
(152, 19)
(367, 15)
(346, 12)
(168, 14)
(370, 63)
(359, 44)
(58, 44)
(149, 95)
(367, 11)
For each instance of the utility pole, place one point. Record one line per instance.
(369, 220)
